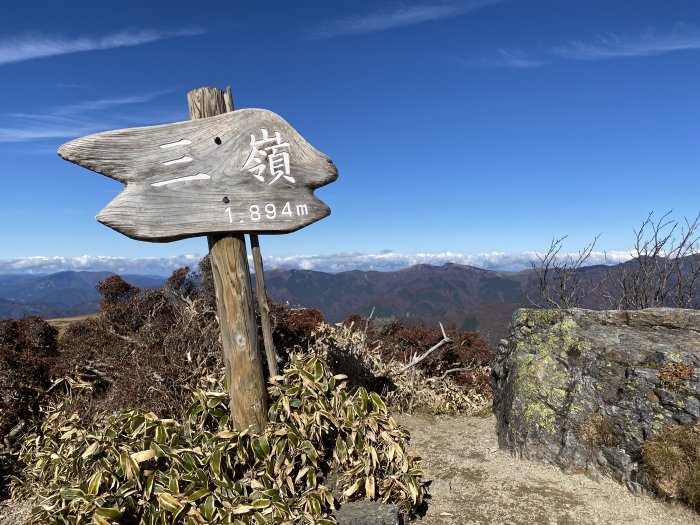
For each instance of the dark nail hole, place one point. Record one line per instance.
(217, 140)
(225, 199)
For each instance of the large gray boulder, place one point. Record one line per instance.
(583, 389)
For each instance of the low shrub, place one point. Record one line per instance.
(364, 361)
(27, 357)
(146, 349)
(292, 327)
(136, 467)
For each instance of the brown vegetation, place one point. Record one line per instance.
(675, 376)
(149, 349)
(27, 358)
(463, 358)
(672, 460)
(596, 432)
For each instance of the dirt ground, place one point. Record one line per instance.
(476, 483)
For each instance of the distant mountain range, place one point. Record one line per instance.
(471, 298)
(62, 294)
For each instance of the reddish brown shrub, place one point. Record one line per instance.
(463, 359)
(27, 354)
(115, 290)
(675, 376)
(145, 350)
(292, 327)
(355, 321)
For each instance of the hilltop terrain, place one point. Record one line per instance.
(471, 298)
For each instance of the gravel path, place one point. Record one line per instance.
(476, 483)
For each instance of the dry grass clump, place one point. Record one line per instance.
(596, 431)
(672, 460)
(365, 362)
(136, 467)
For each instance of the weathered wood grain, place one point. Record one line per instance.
(194, 178)
(234, 303)
(261, 291)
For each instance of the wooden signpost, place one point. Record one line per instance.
(222, 174)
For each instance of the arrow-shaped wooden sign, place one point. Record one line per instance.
(243, 171)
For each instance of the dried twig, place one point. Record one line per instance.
(415, 360)
(367, 322)
(453, 370)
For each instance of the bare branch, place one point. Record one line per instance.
(417, 359)
(453, 370)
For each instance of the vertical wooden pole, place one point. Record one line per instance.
(261, 291)
(260, 288)
(234, 300)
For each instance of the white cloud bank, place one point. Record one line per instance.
(334, 263)
(19, 48)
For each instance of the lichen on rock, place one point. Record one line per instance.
(585, 389)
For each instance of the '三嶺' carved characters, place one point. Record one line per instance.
(207, 176)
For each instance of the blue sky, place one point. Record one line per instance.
(472, 131)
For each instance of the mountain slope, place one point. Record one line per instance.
(60, 294)
(472, 298)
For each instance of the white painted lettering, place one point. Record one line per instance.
(199, 176)
(183, 142)
(178, 161)
(270, 211)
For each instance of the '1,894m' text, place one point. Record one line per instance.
(270, 211)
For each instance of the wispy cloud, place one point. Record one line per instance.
(650, 42)
(20, 48)
(107, 103)
(333, 263)
(70, 120)
(505, 58)
(400, 16)
(603, 47)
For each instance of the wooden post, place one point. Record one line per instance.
(261, 291)
(260, 287)
(234, 299)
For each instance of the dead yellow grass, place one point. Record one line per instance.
(62, 323)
